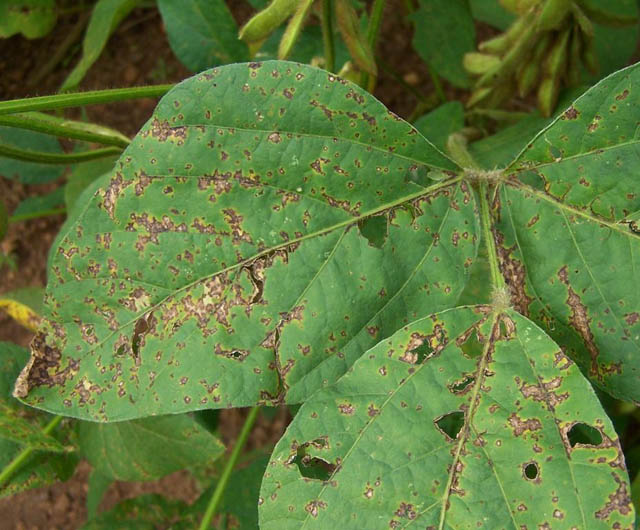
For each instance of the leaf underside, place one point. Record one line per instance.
(268, 224)
(393, 455)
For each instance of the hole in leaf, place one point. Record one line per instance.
(139, 331)
(374, 229)
(531, 470)
(472, 347)
(420, 353)
(459, 386)
(311, 466)
(120, 351)
(450, 424)
(584, 434)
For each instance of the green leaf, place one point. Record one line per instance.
(202, 33)
(32, 18)
(29, 172)
(566, 248)
(20, 427)
(98, 486)
(39, 204)
(83, 175)
(438, 124)
(240, 501)
(614, 48)
(106, 16)
(148, 448)
(176, 301)
(145, 512)
(491, 12)
(444, 32)
(460, 420)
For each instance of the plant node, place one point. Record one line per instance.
(486, 175)
(500, 299)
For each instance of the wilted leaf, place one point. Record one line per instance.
(564, 244)
(148, 448)
(444, 32)
(32, 18)
(202, 33)
(106, 16)
(222, 262)
(23, 305)
(20, 427)
(460, 420)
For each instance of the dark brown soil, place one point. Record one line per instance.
(137, 54)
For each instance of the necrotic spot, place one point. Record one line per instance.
(531, 470)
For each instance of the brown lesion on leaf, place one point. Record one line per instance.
(520, 425)
(544, 391)
(234, 220)
(111, 193)
(406, 511)
(514, 273)
(163, 131)
(44, 367)
(314, 507)
(619, 501)
(235, 354)
(347, 409)
(570, 114)
(580, 321)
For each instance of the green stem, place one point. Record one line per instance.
(56, 158)
(69, 129)
(327, 35)
(226, 473)
(25, 453)
(374, 23)
(80, 99)
(36, 215)
(437, 84)
(497, 280)
(373, 29)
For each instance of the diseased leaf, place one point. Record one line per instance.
(20, 427)
(222, 263)
(566, 248)
(148, 448)
(106, 16)
(426, 432)
(444, 32)
(29, 172)
(32, 18)
(202, 33)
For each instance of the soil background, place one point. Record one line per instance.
(137, 53)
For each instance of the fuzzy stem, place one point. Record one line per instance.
(327, 35)
(226, 473)
(80, 99)
(12, 466)
(56, 158)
